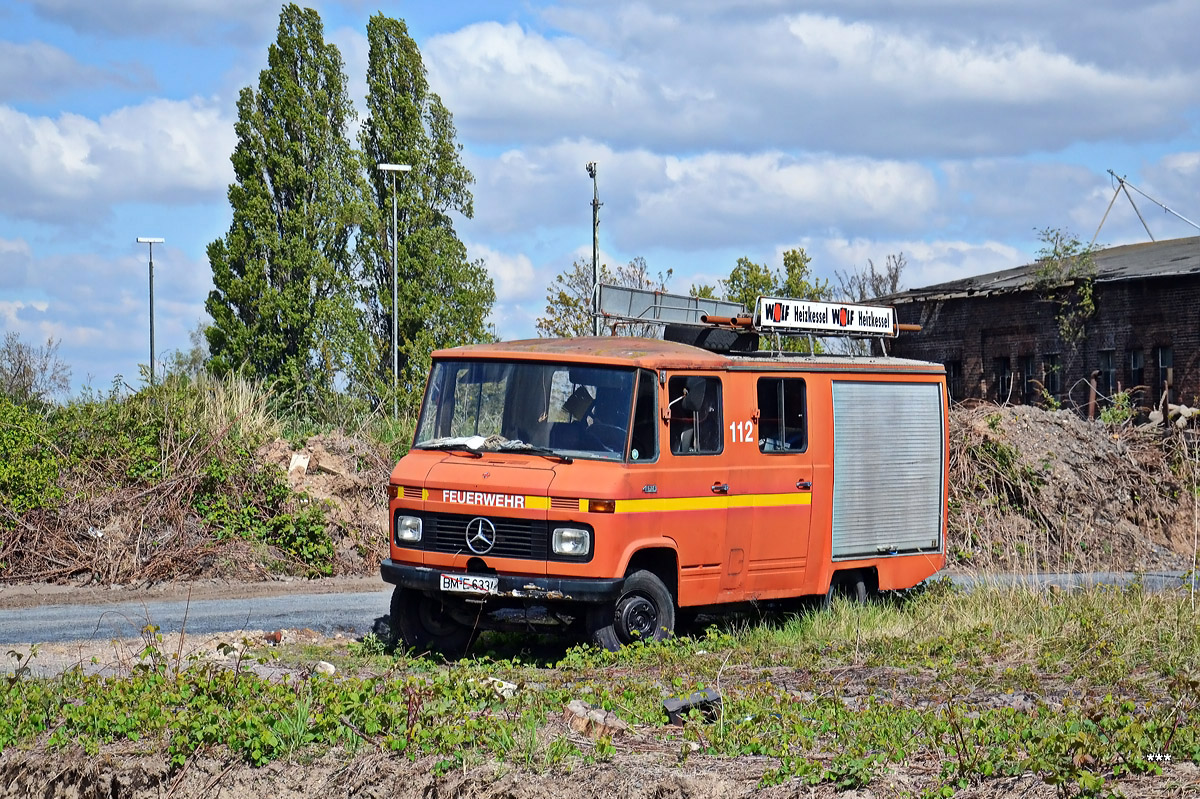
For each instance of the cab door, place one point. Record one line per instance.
(695, 478)
(779, 466)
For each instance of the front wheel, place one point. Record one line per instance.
(422, 623)
(645, 611)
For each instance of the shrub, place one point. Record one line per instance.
(29, 463)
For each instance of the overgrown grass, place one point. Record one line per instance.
(1083, 688)
(171, 464)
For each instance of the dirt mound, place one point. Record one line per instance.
(1038, 490)
(349, 476)
(119, 774)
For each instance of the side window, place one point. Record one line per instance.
(645, 420)
(695, 415)
(782, 416)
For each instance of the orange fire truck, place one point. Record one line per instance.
(619, 484)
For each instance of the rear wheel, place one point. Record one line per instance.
(847, 585)
(645, 611)
(422, 622)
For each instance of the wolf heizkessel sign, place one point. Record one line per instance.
(782, 315)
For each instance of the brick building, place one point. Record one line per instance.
(999, 334)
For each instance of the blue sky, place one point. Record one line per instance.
(949, 131)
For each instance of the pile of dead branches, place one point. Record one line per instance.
(1037, 490)
(168, 484)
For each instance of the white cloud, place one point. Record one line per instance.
(928, 262)
(15, 258)
(36, 71)
(1175, 182)
(72, 167)
(187, 20)
(813, 81)
(1014, 73)
(98, 308)
(712, 199)
(512, 274)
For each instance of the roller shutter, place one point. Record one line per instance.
(888, 456)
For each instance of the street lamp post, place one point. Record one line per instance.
(151, 242)
(392, 169)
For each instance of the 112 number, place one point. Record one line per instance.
(742, 432)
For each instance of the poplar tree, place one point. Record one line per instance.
(444, 297)
(283, 302)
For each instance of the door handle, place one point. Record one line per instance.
(804, 485)
(720, 488)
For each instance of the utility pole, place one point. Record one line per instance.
(151, 242)
(591, 170)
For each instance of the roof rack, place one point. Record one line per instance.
(619, 304)
(725, 326)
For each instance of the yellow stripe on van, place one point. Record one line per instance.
(711, 503)
(537, 503)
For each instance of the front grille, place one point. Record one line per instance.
(411, 492)
(515, 538)
(563, 503)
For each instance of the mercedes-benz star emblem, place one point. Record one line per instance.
(481, 535)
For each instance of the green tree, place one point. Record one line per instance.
(1064, 275)
(748, 281)
(283, 302)
(444, 297)
(569, 298)
(193, 361)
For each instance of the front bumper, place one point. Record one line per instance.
(567, 589)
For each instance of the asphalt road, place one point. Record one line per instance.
(352, 614)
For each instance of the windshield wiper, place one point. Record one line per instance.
(448, 445)
(536, 450)
(477, 445)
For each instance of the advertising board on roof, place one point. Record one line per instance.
(783, 315)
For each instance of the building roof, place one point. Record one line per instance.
(1152, 259)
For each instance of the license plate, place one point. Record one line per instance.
(469, 584)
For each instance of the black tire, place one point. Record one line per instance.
(421, 622)
(645, 611)
(847, 585)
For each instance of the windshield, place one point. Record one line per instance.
(580, 411)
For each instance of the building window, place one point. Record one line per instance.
(1028, 378)
(1053, 377)
(1163, 359)
(1136, 376)
(1002, 379)
(1106, 381)
(954, 380)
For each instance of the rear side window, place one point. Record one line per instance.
(695, 415)
(782, 415)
